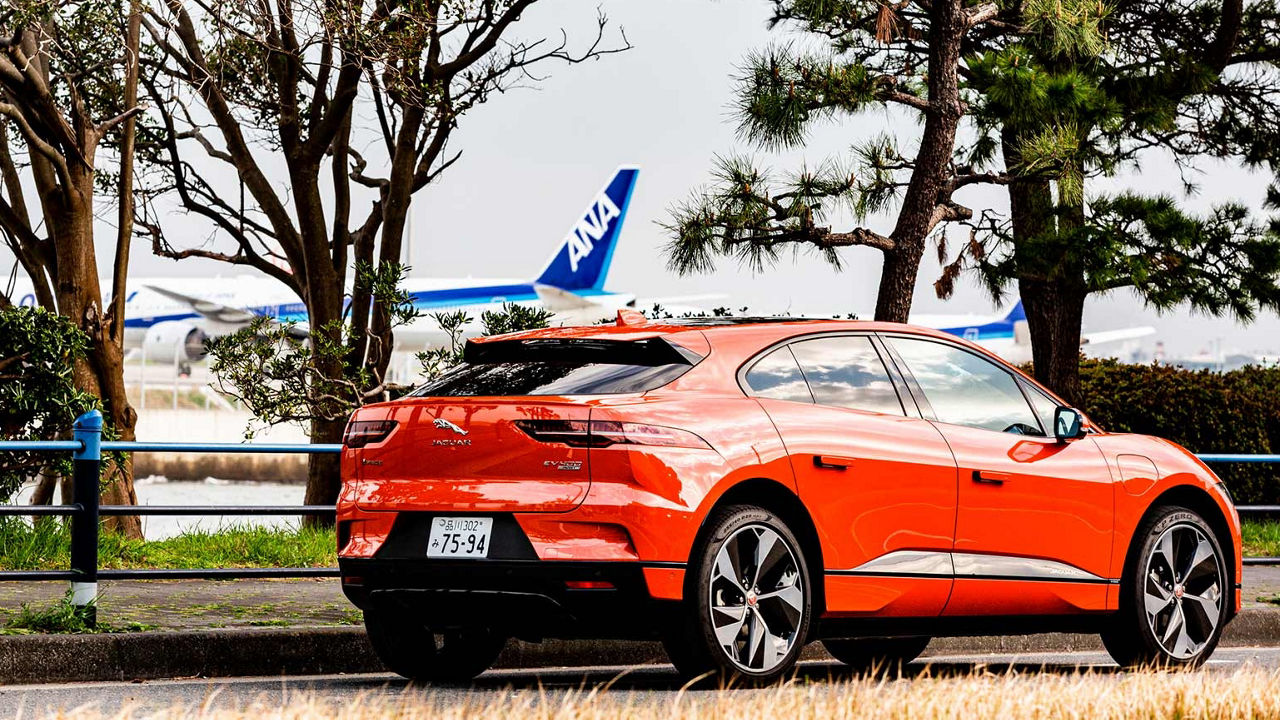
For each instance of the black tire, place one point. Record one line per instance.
(1192, 601)
(780, 600)
(876, 653)
(410, 649)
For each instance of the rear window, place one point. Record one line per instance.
(562, 367)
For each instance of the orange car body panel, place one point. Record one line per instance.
(898, 492)
(909, 486)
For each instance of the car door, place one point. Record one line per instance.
(1035, 516)
(878, 480)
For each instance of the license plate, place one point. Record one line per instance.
(459, 537)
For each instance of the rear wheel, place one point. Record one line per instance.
(409, 648)
(1173, 600)
(876, 653)
(749, 602)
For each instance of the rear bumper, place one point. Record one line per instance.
(529, 599)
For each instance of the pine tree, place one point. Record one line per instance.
(1193, 82)
(905, 55)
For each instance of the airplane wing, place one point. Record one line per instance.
(217, 312)
(1111, 336)
(210, 310)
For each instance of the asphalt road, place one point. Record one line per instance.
(653, 681)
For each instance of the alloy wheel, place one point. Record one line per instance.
(1182, 590)
(756, 598)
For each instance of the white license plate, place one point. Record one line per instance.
(459, 537)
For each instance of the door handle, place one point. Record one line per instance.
(834, 462)
(987, 477)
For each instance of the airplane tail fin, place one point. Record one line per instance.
(1017, 314)
(582, 260)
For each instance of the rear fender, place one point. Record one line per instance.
(662, 494)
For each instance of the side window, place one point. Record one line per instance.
(1043, 405)
(965, 389)
(777, 376)
(846, 371)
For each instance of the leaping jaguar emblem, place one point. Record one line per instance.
(446, 425)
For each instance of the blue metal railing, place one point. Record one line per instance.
(86, 449)
(85, 511)
(1236, 458)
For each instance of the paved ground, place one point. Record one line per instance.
(1261, 585)
(656, 682)
(199, 604)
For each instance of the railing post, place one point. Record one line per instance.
(86, 474)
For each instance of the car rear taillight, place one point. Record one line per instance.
(362, 432)
(604, 433)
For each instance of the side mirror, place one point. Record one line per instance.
(1068, 424)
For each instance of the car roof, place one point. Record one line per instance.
(745, 337)
(716, 329)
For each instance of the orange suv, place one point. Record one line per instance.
(738, 488)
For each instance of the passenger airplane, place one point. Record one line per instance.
(172, 317)
(1008, 337)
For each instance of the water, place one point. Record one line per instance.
(160, 491)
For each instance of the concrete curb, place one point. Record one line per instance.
(311, 651)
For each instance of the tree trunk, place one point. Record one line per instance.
(101, 371)
(898, 282)
(1054, 315)
(324, 309)
(324, 480)
(395, 211)
(917, 217)
(1050, 283)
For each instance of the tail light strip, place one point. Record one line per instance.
(363, 432)
(606, 433)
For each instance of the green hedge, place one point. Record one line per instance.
(1204, 411)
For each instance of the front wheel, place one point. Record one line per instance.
(1173, 600)
(409, 648)
(748, 604)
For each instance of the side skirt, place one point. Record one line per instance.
(960, 626)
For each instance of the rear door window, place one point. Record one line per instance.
(778, 376)
(846, 371)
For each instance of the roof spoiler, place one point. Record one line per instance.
(651, 351)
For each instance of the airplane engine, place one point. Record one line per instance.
(165, 339)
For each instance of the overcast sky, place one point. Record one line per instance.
(532, 158)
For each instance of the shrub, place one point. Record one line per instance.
(1204, 411)
(38, 396)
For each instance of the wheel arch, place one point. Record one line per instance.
(781, 500)
(1199, 500)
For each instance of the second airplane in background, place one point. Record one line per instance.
(1009, 338)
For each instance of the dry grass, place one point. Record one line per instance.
(1250, 693)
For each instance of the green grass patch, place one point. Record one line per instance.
(62, 617)
(46, 545)
(1261, 538)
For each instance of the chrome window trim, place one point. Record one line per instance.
(970, 566)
